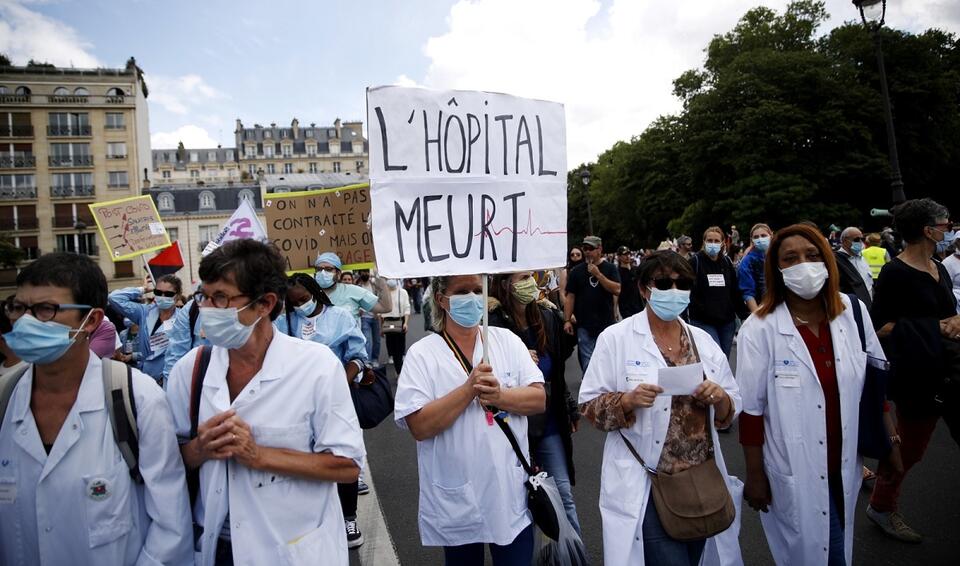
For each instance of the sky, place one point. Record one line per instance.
(209, 62)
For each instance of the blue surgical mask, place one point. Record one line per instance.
(325, 279)
(669, 304)
(41, 343)
(466, 310)
(307, 308)
(856, 248)
(712, 248)
(223, 328)
(762, 243)
(164, 303)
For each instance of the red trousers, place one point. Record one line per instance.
(915, 436)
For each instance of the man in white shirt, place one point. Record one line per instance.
(67, 495)
(276, 428)
(952, 263)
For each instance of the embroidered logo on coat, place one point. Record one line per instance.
(97, 489)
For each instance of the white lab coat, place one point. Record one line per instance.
(779, 382)
(78, 505)
(471, 483)
(624, 354)
(298, 400)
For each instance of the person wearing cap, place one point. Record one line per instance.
(685, 247)
(350, 297)
(591, 288)
(629, 302)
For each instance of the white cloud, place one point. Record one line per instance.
(26, 34)
(404, 80)
(612, 68)
(179, 94)
(191, 135)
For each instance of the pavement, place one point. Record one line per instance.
(930, 501)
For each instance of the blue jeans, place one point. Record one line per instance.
(551, 455)
(659, 548)
(722, 335)
(517, 553)
(836, 557)
(370, 325)
(585, 346)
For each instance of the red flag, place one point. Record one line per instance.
(167, 262)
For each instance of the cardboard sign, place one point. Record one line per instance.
(243, 224)
(466, 182)
(307, 223)
(130, 227)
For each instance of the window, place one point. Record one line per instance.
(287, 151)
(312, 150)
(80, 91)
(115, 92)
(165, 202)
(67, 181)
(245, 195)
(268, 150)
(250, 151)
(359, 165)
(212, 156)
(194, 157)
(288, 168)
(336, 166)
(208, 232)
(114, 121)
(166, 173)
(116, 150)
(85, 243)
(61, 91)
(123, 269)
(117, 180)
(69, 124)
(334, 148)
(229, 156)
(252, 170)
(207, 201)
(271, 169)
(313, 167)
(22, 91)
(194, 174)
(174, 234)
(18, 186)
(267, 134)
(4, 90)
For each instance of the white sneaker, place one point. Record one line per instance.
(354, 536)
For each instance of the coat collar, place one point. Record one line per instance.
(273, 368)
(89, 397)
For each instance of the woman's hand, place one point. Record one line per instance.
(642, 396)
(709, 393)
(950, 328)
(756, 491)
(488, 389)
(534, 357)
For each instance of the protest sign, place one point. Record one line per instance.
(466, 182)
(243, 224)
(306, 223)
(130, 227)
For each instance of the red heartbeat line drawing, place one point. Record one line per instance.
(528, 230)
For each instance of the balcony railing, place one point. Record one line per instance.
(68, 99)
(7, 131)
(67, 131)
(114, 99)
(117, 156)
(115, 127)
(14, 98)
(18, 223)
(18, 161)
(15, 193)
(75, 191)
(71, 161)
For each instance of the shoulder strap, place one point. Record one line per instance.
(651, 471)
(122, 409)
(457, 353)
(858, 316)
(508, 432)
(194, 315)
(7, 384)
(200, 365)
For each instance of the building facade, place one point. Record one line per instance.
(69, 138)
(183, 166)
(340, 148)
(193, 215)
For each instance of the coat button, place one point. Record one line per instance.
(48, 529)
(821, 443)
(819, 406)
(824, 512)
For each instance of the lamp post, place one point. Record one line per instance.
(80, 226)
(585, 178)
(873, 13)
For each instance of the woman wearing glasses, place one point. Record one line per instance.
(154, 319)
(671, 434)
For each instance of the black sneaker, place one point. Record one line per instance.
(362, 487)
(354, 536)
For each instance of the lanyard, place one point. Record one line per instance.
(490, 412)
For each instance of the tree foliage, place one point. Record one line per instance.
(782, 125)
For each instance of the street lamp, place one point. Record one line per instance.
(80, 226)
(585, 178)
(873, 13)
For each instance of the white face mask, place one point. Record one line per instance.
(805, 279)
(223, 328)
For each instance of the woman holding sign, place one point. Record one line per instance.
(801, 367)
(154, 319)
(660, 389)
(471, 483)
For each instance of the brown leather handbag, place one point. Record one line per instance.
(693, 504)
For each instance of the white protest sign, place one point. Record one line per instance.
(466, 182)
(243, 224)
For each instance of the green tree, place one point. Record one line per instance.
(10, 254)
(4, 60)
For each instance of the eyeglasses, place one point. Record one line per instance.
(328, 269)
(43, 312)
(860, 239)
(666, 283)
(218, 300)
(158, 293)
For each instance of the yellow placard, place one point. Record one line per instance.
(130, 227)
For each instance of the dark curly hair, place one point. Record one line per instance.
(912, 216)
(254, 267)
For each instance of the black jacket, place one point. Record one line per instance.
(851, 281)
(560, 402)
(715, 305)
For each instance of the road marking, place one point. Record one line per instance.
(378, 548)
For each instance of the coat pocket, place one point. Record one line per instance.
(454, 510)
(621, 487)
(106, 499)
(783, 492)
(321, 545)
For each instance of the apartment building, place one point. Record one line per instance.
(184, 166)
(68, 138)
(273, 150)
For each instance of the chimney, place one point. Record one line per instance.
(239, 127)
(336, 124)
(296, 128)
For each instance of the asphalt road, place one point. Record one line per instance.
(930, 501)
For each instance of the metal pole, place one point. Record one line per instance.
(896, 182)
(586, 191)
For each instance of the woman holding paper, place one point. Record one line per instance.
(472, 490)
(670, 421)
(801, 371)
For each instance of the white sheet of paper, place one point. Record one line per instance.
(680, 380)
